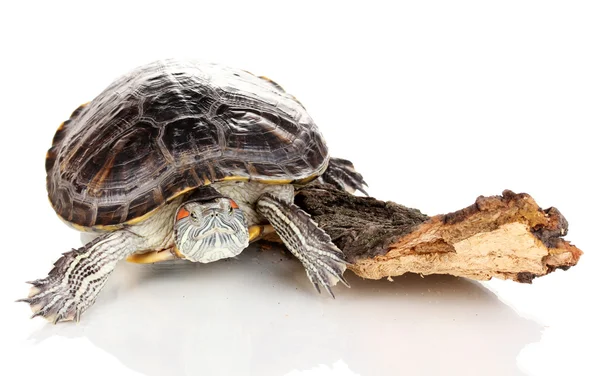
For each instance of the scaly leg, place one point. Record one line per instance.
(341, 173)
(78, 276)
(324, 262)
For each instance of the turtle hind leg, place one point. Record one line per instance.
(324, 262)
(341, 173)
(78, 276)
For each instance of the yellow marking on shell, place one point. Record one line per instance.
(323, 167)
(179, 193)
(117, 226)
(139, 219)
(96, 182)
(79, 227)
(206, 180)
(97, 228)
(306, 180)
(235, 178)
(142, 218)
(81, 106)
(275, 181)
(152, 257)
(272, 82)
(104, 228)
(61, 126)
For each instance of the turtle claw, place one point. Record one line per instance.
(77, 277)
(330, 292)
(341, 173)
(52, 302)
(326, 272)
(36, 314)
(315, 283)
(313, 279)
(51, 297)
(56, 318)
(324, 262)
(344, 282)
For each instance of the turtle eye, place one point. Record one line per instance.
(230, 210)
(193, 215)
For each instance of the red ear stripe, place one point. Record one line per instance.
(233, 204)
(182, 213)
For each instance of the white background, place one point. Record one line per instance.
(435, 102)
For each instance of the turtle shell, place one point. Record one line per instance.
(169, 127)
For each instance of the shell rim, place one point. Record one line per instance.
(103, 228)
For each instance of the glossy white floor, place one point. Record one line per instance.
(258, 315)
(436, 103)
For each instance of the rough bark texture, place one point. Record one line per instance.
(508, 236)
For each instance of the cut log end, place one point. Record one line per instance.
(507, 236)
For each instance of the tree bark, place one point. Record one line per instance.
(508, 236)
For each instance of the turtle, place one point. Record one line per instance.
(183, 159)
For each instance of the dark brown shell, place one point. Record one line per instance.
(170, 126)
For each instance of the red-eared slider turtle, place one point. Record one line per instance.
(182, 159)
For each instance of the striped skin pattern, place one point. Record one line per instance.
(324, 262)
(247, 194)
(341, 173)
(80, 274)
(212, 231)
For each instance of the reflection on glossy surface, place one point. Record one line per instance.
(259, 315)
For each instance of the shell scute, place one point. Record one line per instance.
(169, 127)
(192, 139)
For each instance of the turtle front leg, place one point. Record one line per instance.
(324, 262)
(78, 276)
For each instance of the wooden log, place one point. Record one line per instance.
(507, 237)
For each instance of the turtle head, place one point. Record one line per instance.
(209, 230)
